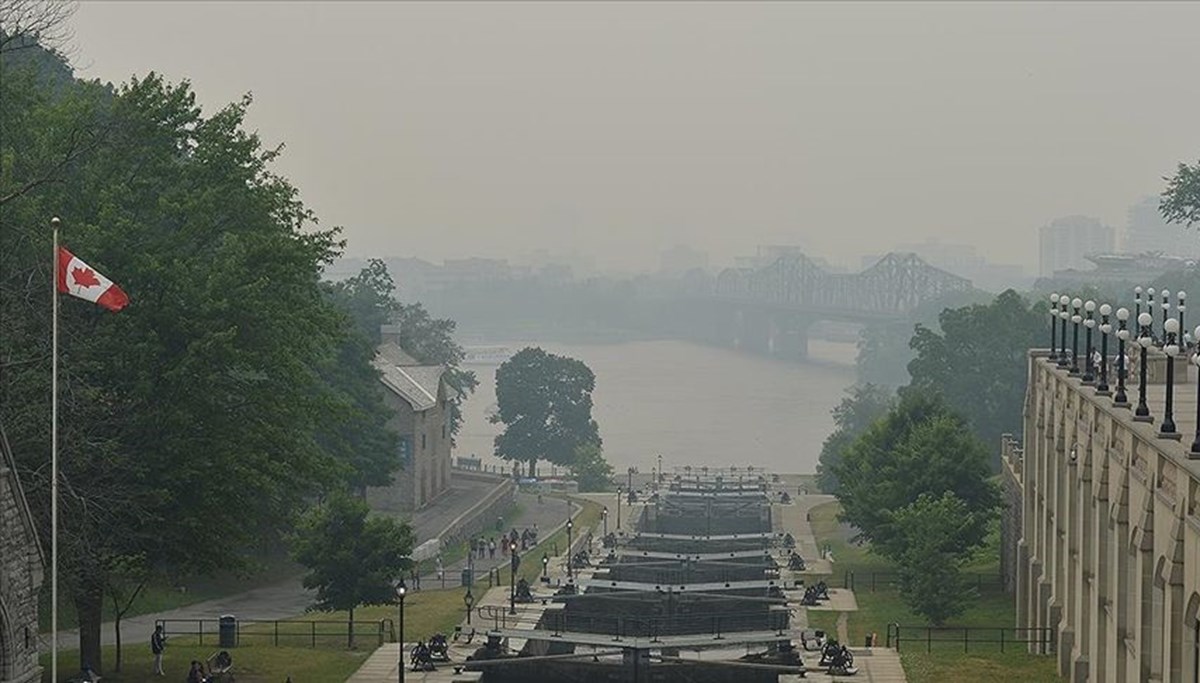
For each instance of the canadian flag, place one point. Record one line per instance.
(79, 279)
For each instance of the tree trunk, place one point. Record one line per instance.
(117, 635)
(350, 632)
(89, 600)
(533, 468)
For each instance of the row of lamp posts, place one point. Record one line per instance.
(1172, 342)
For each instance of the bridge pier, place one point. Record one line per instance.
(789, 337)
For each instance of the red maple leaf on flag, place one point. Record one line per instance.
(85, 277)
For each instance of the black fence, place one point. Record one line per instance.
(621, 626)
(979, 638)
(328, 633)
(876, 581)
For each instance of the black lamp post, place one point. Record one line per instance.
(604, 516)
(1166, 307)
(545, 566)
(570, 572)
(1122, 372)
(1196, 361)
(512, 578)
(1063, 301)
(1064, 316)
(1145, 339)
(1137, 302)
(1171, 348)
(1076, 304)
(618, 508)
(1089, 322)
(400, 592)
(1182, 296)
(1053, 327)
(1105, 330)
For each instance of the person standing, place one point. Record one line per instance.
(158, 643)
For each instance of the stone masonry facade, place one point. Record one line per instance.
(21, 572)
(1108, 558)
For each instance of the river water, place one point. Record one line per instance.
(694, 405)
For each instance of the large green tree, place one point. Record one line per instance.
(193, 418)
(1181, 199)
(352, 558)
(358, 436)
(592, 472)
(863, 404)
(545, 404)
(920, 446)
(936, 534)
(977, 361)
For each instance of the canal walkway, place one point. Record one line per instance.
(875, 664)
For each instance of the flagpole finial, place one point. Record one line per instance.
(54, 221)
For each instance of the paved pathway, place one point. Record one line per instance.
(382, 666)
(877, 664)
(288, 599)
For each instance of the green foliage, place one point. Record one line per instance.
(592, 471)
(978, 360)
(934, 538)
(431, 340)
(883, 348)
(352, 559)
(863, 404)
(202, 416)
(545, 403)
(921, 446)
(1181, 199)
(358, 436)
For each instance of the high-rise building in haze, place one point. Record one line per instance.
(1147, 231)
(1067, 242)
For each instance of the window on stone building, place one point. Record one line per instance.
(422, 442)
(405, 448)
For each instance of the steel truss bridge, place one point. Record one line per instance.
(895, 285)
(768, 309)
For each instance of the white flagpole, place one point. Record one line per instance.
(54, 222)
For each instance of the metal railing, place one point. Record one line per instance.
(285, 632)
(620, 626)
(875, 581)
(1038, 640)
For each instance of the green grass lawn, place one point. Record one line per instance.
(251, 664)
(162, 595)
(324, 657)
(883, 606)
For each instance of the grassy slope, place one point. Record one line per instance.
(251, 664)
(947, 662)
(425, 612)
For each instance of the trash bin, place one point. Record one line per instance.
(227, 630)
(466, 577)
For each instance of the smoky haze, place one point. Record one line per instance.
(621, 129)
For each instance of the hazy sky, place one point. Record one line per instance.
(621, 128)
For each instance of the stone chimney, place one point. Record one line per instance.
(389, 333)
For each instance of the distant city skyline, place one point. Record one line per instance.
(618, 130)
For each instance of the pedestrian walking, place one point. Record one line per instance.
(158, 643)
(492, 548)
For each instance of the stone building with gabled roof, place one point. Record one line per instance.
(419, 400)
(21, 573)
